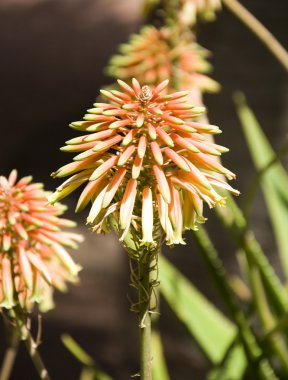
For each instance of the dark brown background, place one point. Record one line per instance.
(52, 57)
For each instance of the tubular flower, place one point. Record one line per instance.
(190, 9)
(144, 159)
(33, 256)
(149, 57)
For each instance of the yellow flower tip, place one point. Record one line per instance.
(221, 202)
(53, 198)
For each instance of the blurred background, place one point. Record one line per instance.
(52, 57)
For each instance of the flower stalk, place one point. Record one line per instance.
(259, 30)
(146, 284)
(31, 344)
(144, 292)
(11, 351)
(144, 277)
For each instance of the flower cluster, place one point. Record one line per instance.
(190, 9)
(145, 159)
(32, 257)
(149, 57)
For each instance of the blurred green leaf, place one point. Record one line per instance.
(160, 371)
(211, 329)
(259, 366)
(274, 181)
(231, 368)
(76, 350)
(233, 219)
(90, 368)
(87, 374)
(250, 193)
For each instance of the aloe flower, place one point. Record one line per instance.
(150, 57)
(145, 160)
(33, 256)
(190, 9)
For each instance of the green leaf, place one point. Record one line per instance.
(160, 371)
(87, 374)
(90, 370)
(211, 329)
(232, 368)
(274, 181)
(235, 223)
(258, 364)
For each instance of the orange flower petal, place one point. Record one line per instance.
(142, 146)
(129, 137)
(106, 144)
(126, 87)
(184, 143)
(147, 216)
(104, 168)
(88, 193)
(119, 124)
(113, 186)
(127, 203)
(151, 131)
(165, 137)
(137, 166)
(112, 97)
(162, 183)
(36, 261)
(156, 151)
(7, 284)
(177, 159)
(99, 135)
(25, 267)
(128, 153)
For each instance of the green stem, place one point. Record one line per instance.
(31, 345)
(159, 367)
(145, 274)
(11, 351)
(259, 30)
(171, 9)
(145, 280)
